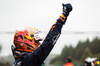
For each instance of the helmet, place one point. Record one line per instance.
(90, 61)
(26, 39)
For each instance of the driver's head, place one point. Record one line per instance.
(26, 39)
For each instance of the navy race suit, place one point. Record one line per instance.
(37, 57)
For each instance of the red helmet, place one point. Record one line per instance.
(27, 39)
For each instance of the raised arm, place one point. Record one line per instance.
(40, 54)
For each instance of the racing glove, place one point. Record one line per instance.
(67, 8)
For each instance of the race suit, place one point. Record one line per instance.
(37, 57)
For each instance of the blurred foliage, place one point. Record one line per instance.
(5, 64)
(6, 60)
(0, 47)
(80, 52)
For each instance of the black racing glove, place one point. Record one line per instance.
(66, 9)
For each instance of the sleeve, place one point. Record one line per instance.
(40, 54)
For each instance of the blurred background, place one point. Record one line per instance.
(80, 36)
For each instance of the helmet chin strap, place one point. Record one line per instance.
(16, 53)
